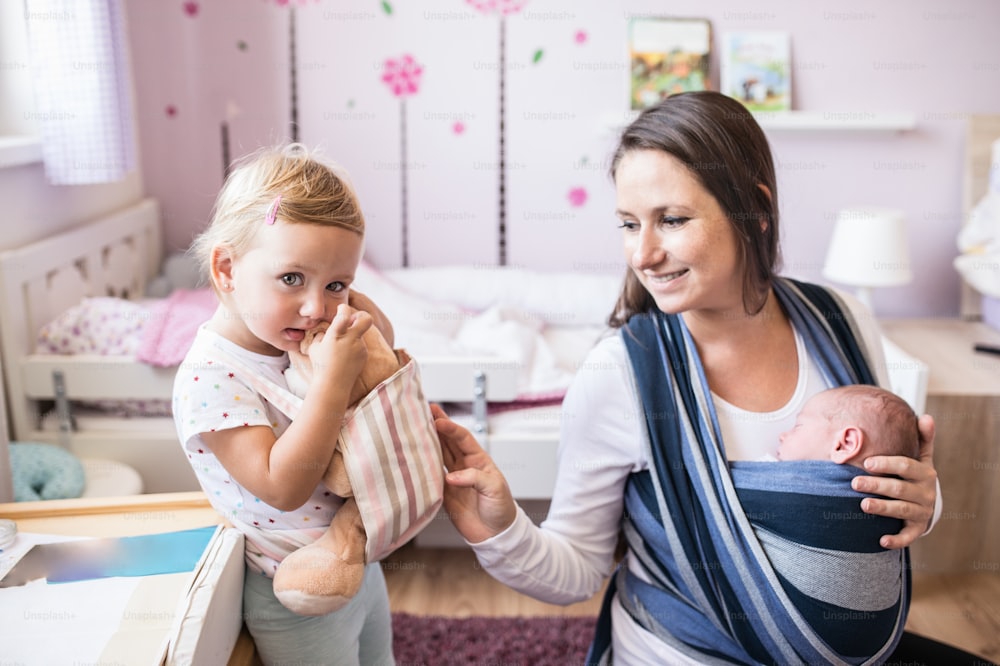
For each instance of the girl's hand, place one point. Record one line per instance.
(476, 495)
(340, 352)
(911, 497)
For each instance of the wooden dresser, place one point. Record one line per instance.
(963, 396)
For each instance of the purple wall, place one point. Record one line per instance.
(565, 87)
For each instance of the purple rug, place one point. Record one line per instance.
(527, 641)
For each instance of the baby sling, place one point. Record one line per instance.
(391, 453)
(738, 559)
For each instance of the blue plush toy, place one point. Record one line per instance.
(44, 471)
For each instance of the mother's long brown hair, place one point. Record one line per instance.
(722, 145)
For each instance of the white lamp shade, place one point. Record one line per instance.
(869, 248)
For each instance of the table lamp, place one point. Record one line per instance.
(868, 249)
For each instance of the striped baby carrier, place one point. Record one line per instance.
(391, 452)
(751, 563)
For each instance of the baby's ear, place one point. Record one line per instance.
(850, 441)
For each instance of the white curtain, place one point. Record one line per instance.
(83, 106)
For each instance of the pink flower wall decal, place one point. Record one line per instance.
(458, 127)
(191, 8)
(580, 37)
(402, 75)
(502, 7)
(577, 196)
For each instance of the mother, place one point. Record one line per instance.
(713, 354)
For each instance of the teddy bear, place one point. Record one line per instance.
(323, 576)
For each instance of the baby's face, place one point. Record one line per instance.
(813, 435)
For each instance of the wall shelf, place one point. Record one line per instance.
(812, 121)
(832, 121)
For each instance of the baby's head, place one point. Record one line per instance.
(848, 424)
(287, 183)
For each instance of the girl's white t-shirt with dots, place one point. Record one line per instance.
(210, 396)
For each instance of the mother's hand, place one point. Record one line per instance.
(476, 495)
(910, 497)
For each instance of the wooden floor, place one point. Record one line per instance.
(960, 609)
(450, 582)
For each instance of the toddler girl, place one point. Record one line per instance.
(282, 248)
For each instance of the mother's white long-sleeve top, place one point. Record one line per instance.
(603, 440)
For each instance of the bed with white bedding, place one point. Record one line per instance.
(497, 346)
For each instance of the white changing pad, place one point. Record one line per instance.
(211, 617)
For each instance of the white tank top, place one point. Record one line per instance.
(754, 435)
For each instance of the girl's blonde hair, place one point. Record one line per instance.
(311, 190)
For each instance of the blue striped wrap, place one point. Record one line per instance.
(751, 562)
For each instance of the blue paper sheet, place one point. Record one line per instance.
(88, 559)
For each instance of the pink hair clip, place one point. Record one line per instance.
(273, 210)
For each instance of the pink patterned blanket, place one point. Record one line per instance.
(173, 323)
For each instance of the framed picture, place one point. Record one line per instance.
(667, 56)
(755, 68)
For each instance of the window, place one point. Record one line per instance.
(68, 77)
(19, 142)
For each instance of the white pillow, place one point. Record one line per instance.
(405, 309)
(563, 298)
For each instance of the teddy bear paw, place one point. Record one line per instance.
(314, 581)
